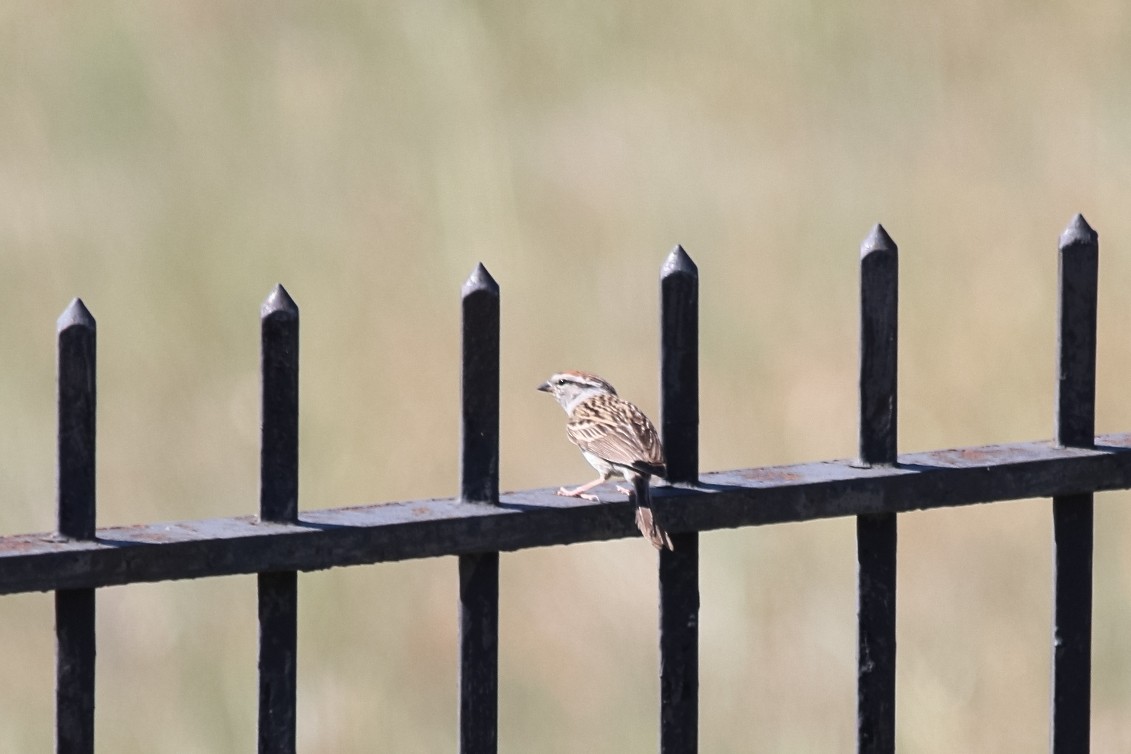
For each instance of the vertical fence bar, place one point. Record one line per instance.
(1072, 514)
(479, 484)
(278, 501)
(876, 534)
(679, 568)
(74, 608)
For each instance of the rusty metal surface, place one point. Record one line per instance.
(539, 518)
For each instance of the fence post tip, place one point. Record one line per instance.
(278, 301)
(877, 240)
(75, 315)
(679, 262)
(480, 280)
(1078, 233)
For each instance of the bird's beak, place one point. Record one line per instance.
(545, 387)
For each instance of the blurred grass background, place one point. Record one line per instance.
(171, 162)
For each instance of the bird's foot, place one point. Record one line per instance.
(578, 493)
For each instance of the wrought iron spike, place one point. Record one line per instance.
(480, 280)
(1077, 234)
(75, 315)
(278, 303)
(679, 262)
(878, 240)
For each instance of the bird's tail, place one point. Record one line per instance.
(646, 516)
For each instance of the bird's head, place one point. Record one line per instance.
(572, 387)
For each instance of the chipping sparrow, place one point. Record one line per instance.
(616, 438)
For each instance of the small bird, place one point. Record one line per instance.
(616, 438)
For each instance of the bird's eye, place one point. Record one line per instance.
(561, 382)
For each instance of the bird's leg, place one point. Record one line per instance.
(583, 489)
(634, 480)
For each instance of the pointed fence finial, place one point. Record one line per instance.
(279, 303)
(877, 240)
(1078, 234)
(75, 315)
(678, 263)
(480, 280)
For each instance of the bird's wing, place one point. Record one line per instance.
(619, 432)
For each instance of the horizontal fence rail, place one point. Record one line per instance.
(539, 518)
(480, 522)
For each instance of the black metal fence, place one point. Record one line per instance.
(480, 523)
